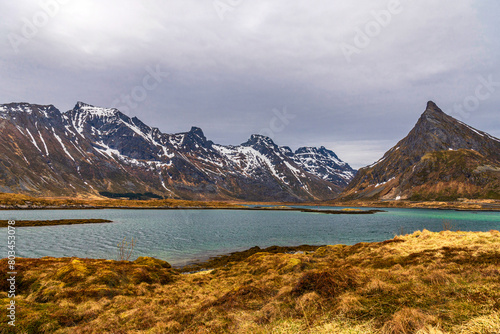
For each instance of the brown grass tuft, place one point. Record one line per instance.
(438, 277)
(377, 286)
(328, 283)
(309, 306)
(408, 321)
(488, 324)
(349, 303)
(245, 297)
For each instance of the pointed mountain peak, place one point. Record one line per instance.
(81, 104)
(95, 111)
(197, 132)
(433, 110)
(431, 106)
(196, 135)
(262, 144)
(261, 138)
(256, 139)
(195, 138)
(433, 117)
(435, 134)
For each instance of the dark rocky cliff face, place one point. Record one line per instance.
(89, 150)
(441, 158)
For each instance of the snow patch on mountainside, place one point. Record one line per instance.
(62, 144)
(384, 183)
(96, 111)
(44, 144)
(33, 141)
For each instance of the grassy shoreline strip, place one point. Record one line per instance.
(27, 223)
(279, 208)
(225, 259)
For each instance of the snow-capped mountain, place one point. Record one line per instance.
(324, 164)
(90, 150)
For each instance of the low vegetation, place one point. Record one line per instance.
(460, 204)
(131, 196)
(26, 223)
(125, 249)
(19, 201)
(447, 282)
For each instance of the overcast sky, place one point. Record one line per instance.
(353, 76)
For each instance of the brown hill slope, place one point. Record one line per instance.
(440, 159)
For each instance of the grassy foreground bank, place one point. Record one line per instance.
(447, 282)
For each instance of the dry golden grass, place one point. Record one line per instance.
(461, 204)
(25, 201)
(423, 283)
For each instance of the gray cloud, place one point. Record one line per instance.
(227, 75)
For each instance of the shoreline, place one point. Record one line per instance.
(26, 202)
(283, 208)
(222, 260)
(465, 205)
(376, 205)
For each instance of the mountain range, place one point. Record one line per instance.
(442, 158)
(91, 151)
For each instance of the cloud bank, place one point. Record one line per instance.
(354, 76)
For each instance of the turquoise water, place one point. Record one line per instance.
(183, 236)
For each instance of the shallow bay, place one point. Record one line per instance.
(183, 236)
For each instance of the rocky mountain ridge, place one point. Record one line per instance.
(89, 150)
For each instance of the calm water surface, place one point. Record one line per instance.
(182, 236)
